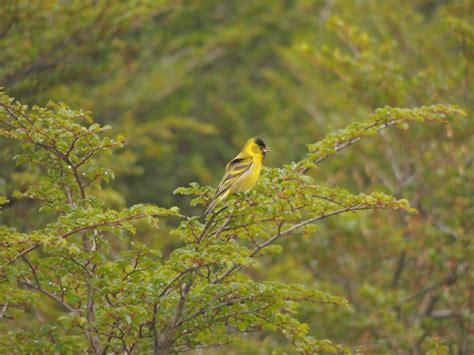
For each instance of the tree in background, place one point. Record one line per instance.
(167, 74)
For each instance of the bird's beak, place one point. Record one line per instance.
(266, 150)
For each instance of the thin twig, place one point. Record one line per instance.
(343, 145)
(49, 294)
(449, 279)
(278, 235)
(33, 270)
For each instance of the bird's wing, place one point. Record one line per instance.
(234, 169)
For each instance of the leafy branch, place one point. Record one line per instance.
(383, 118)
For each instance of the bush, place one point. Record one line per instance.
(113, 297)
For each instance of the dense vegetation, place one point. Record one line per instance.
(94, 255)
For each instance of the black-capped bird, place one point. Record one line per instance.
(242, 172)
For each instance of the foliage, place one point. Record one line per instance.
(138, 300)
(187, 83)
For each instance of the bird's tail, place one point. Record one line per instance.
(219, 196)
(211, 206)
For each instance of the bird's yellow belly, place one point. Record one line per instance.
(245, 182)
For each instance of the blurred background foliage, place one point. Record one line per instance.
(186, 82)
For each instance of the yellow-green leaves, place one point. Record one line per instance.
(3, 200)
(177, 299)
(63, 143)
(382, 118)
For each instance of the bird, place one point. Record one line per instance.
(242, 172)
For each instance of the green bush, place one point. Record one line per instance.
(135, 299)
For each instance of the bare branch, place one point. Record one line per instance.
(33, 270)
(449, 279)
(162, 343)
(49, 294)
(3, 310)
(398, 270)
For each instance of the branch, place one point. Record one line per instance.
(206, 227)
(33, 270)
(3, 310)
(449, 279)
(442, 314)
(162, 343)
(186, 348)
(277, 236)
(398, 270)
(346, 143)
(49, 294)
(83, 229)
(222, 304)
(179, 308)
(382, 118)
(24, 252)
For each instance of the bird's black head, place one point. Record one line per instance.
(263, 147)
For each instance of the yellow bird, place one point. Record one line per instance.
(242, 172)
